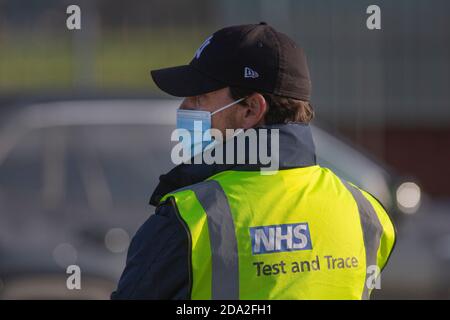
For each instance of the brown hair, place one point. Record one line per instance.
(281, 109)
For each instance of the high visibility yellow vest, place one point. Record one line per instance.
(301, 233)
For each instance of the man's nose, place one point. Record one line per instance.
(188, 103)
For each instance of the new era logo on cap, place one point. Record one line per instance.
(250, 73)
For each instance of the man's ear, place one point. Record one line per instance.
(255, 109)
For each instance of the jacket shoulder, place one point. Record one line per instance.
(157, 260)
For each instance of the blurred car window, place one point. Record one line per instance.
(81, 176)
(20, 178)
(115, 166)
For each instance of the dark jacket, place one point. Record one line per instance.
(157, 264)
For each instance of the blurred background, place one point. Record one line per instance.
(85, 134)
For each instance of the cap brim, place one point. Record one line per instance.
(184, 81)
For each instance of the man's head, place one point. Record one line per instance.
(255, 110)
(254, 62)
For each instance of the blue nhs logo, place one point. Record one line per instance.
(279, 238)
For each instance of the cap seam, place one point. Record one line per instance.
(277, 76)
(242, 37)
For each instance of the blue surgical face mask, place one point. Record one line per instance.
(198, 123)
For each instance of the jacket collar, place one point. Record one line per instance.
(296, 149)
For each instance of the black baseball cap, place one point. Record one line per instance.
(253, 56)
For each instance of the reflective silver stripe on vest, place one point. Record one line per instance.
(371, 227)
(222, 237)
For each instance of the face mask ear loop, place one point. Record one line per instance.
(228, 105)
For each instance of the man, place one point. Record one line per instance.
(228, 231)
